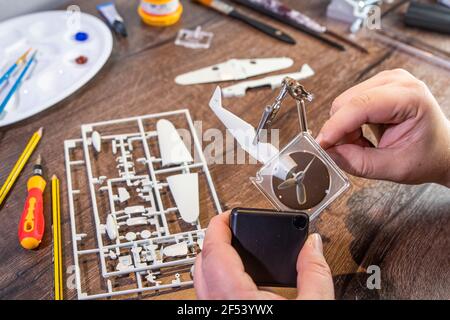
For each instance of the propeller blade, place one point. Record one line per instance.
(301, 193)
(309, 165)
(287, 183)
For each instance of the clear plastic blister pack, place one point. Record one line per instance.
(323, 181)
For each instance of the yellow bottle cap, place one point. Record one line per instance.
(161, 21)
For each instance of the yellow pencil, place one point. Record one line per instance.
(57, 250)
(20, 164)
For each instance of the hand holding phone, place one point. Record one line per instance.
(219, 271)
(268, 243)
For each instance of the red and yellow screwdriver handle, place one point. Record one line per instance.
(31, 226)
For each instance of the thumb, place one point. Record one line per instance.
(314, 280)
(367, 162)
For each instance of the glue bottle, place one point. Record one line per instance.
(160, 13)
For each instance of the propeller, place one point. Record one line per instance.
(297, 181)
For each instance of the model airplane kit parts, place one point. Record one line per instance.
(194, 39)
(239, 89)
(234, 69)
(146, 205)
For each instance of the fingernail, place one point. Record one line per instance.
(316, 242)
(319, 138)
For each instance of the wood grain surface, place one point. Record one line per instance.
(405, 230)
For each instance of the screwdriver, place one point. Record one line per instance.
(31, 226)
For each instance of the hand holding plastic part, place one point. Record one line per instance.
(414, 144)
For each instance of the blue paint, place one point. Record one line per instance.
(81, 36)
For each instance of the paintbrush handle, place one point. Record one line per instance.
(17, 83)
(302, 23)
(229, 10)
(271, 31)
(8, 73)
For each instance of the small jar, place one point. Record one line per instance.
(160, 13)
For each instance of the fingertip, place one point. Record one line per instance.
(319, 139)
(314, 279)
(323, 138)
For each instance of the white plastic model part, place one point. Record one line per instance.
(123, 194)
(130, 236)
(172, 148)
(200, 243)
(145, 234)
(176, 250)
(234, 69)
(134, 209)
(96, 141)
(184, 188)
(111, 227)
(194, 39)
(243, 132)
(137, 221)
(239, 89)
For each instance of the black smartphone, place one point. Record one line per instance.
(268, 243)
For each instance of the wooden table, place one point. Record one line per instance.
(402, 229)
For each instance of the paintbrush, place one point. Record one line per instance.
(18, 82)
(230, 11)
(281, 12)
(10, 71)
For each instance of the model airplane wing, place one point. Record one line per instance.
(173, 149)
(234, 69)
(239, 89)
(184, 188)
(242, 131)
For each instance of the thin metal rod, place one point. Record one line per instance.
(302, 115)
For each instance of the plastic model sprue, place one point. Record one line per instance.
(142, 231)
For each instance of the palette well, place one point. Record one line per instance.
(58, 72)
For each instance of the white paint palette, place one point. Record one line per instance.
(55, 75)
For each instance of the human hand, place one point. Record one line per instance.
(219, 271)
(415, 142)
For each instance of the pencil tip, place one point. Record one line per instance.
(39, 159)
(40, 131)
(54, 177)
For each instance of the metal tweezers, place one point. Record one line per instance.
(296, 91)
